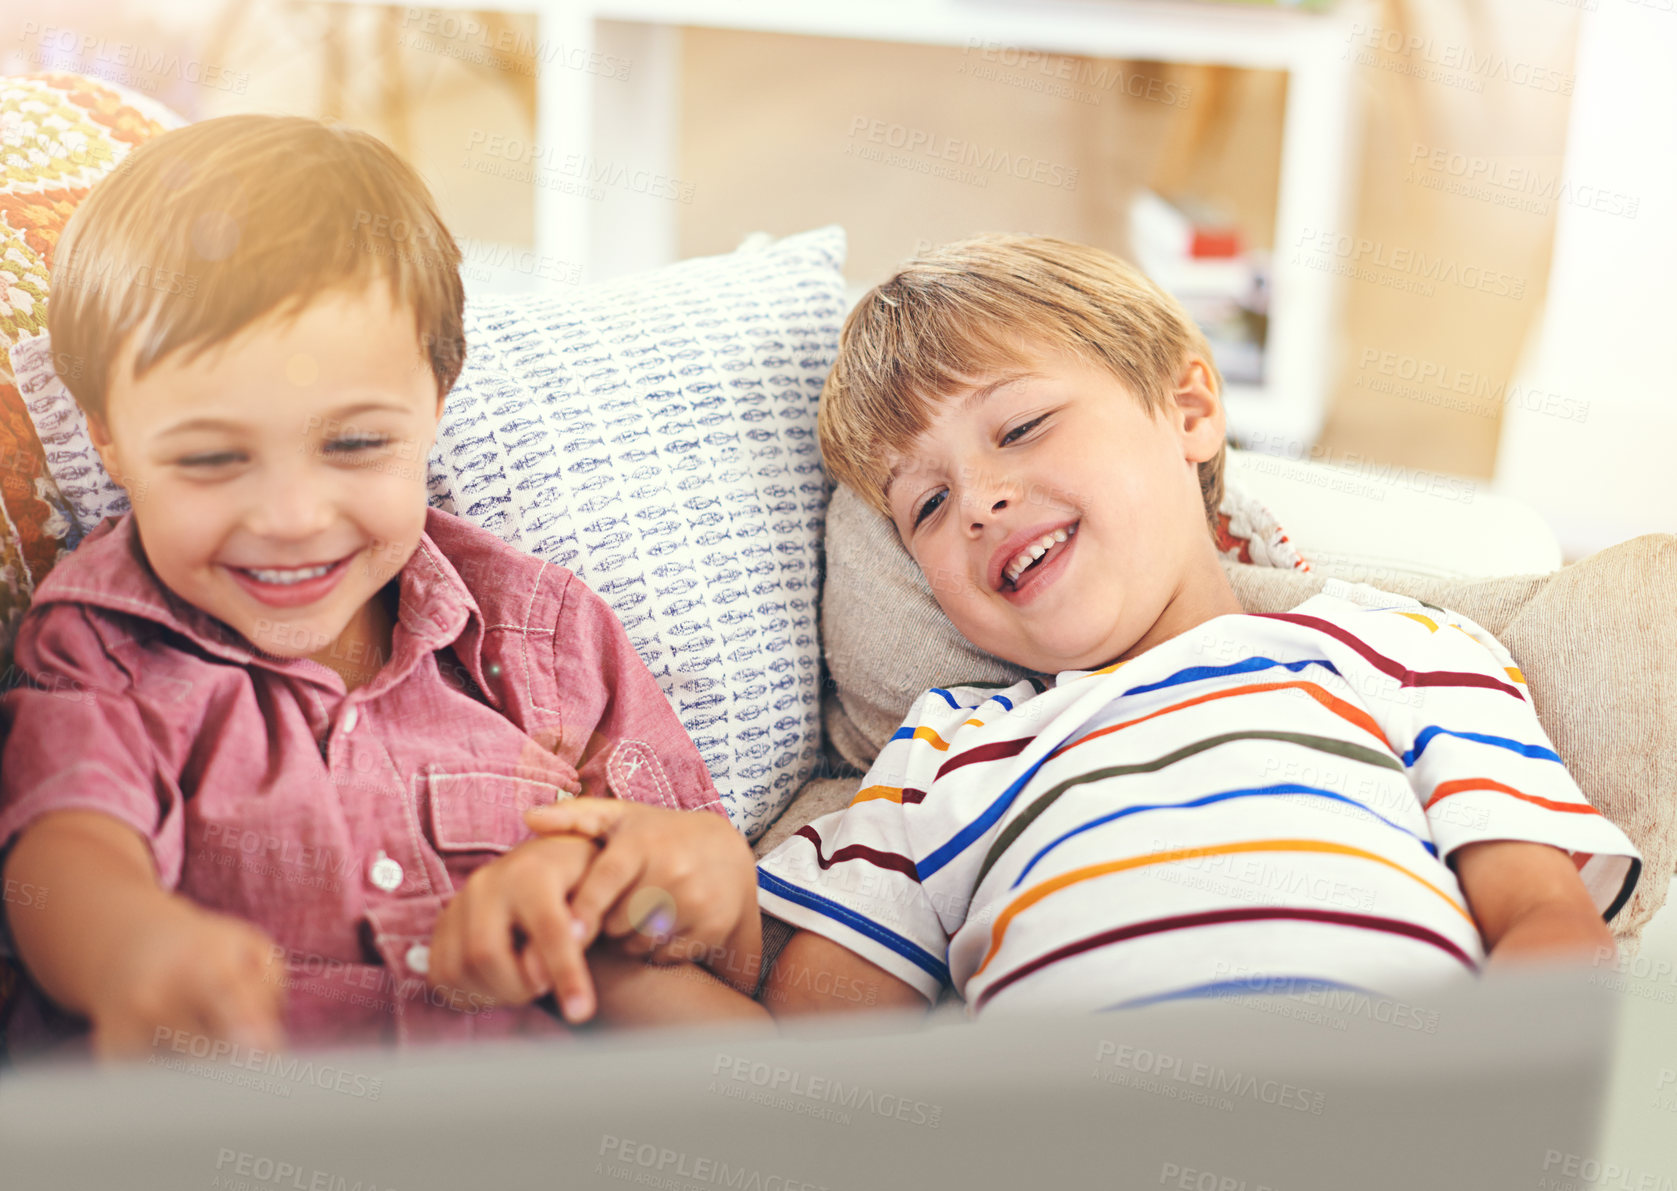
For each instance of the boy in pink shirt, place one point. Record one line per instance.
(281, 722)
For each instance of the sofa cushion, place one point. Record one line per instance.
(657, 436)
(59, 134)
(1596, 642)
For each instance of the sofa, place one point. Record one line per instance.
(655, 434)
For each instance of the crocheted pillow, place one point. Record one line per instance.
(59, 134)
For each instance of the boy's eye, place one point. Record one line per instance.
(344, 445)
(1019, 431)
(215, 460)
(930, 507)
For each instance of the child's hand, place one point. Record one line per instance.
(508, 934)
(671, 885)
(191, 970)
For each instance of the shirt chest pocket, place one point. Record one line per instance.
(482, 809)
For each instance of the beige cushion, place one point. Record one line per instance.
(1596, 641)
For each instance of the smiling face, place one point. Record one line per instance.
(1059, 525)
(278, 479)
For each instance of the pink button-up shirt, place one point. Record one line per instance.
(338, 823)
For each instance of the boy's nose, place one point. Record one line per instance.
(995, 508)
(290, 511)
(982, 509)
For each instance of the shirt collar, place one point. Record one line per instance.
(109, 569)
(1065, 676)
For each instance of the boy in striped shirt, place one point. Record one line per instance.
(1194, 801)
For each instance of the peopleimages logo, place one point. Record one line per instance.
(1592, 1174)
(1064, 76)
(24, 894)
(267, 1064)
(240, 1170)
(1448, 62)
(1188, 1178)
(1424, 380)
(1336, 1001)
(781, 1087)
(552, 167)
(1517, 187)
(109, 276)
(1169, 1075)
(127, 62)
(1273, 882)
(1402, 267)
(500, 45)
(631, 1160)
(940, 155)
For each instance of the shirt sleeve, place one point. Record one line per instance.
(76, 739)
(852, 876)
(620, 732)
(1479, 759)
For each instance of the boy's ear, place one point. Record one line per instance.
(99, 432)
(1199, 411)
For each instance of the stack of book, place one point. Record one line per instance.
(1199, 256)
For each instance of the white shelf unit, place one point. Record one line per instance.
(636, 121)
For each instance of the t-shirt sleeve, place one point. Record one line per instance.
(852, 876)
(620, 731)
(76, 739)
(1479, 759)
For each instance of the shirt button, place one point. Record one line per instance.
(386, 874)
(418, 958)
(351, 718)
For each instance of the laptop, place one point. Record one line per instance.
(1489, 1084)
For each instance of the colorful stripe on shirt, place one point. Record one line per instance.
(1000, 834)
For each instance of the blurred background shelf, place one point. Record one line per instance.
(608, 87)
(1280, 399)
(1337, 143)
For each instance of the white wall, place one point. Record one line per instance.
(1609, 333)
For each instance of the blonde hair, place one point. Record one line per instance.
(204, 230)
(976, 307)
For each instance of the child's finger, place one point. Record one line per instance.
(268, 991)
(131, 1037)
(443, 965)
(488, 958)
(554, 947)
(583, 816)
(642, 921)
(239, 999)
(614, 872)
(535, 972)
(247, 1015)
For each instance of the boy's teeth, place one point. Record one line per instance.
(294, 576)
(1035, 551)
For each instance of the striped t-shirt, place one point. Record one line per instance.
(1263, 802)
